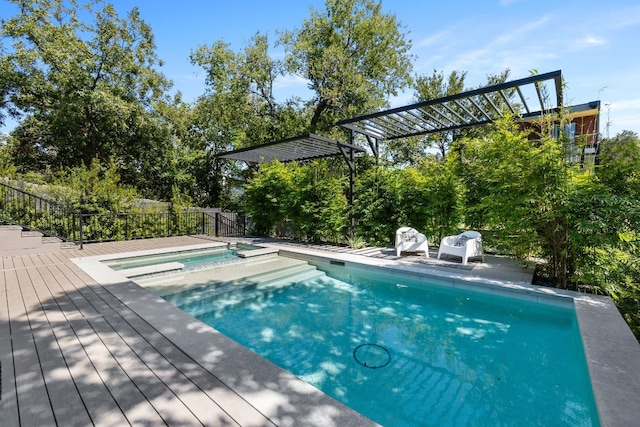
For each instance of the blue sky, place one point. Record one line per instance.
(596, 44)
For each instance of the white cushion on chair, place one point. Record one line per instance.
(464, 245)
(411, 240)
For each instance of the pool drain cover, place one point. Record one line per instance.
(372, 356)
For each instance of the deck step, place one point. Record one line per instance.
(216, 275)
(32, 233)
(151, 269)
(9, 227)
(248, 292)
(252, 253)
(18, 240)
(217, 287)
(68, 245)
(213, 289)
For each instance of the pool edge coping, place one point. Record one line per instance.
(615, 375)
(602, 329)
(261, 383)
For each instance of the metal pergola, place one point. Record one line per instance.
(308, 146)
(302, 147)
(529, 98)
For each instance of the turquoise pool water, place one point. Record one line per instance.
(192, 259)
(408, 354)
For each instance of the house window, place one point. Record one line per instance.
(569, 140)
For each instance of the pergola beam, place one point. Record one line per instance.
(302, 147)
(453, 112)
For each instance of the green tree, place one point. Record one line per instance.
(377, 207)
(607, 214)
(353, 55)
(619, 163)
(435, 86)
(87, 89)
(270, 198)
(93, 189)
(428, 198)
(238, 110)
(528, 186)
(431, 197)
(320, 211)
(7, 86)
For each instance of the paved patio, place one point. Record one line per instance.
(78, 351)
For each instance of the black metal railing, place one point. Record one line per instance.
(229, 224)
(129, 226)
(36, 213)
(52, 219)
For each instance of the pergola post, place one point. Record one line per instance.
(352, 186)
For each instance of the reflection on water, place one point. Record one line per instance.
(454, 358)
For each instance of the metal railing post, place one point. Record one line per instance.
(80, 231)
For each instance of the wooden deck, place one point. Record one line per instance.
(75, 352)
(72, 354)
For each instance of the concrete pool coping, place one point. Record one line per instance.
(611, 350)
(265, 386)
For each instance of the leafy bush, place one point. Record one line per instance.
(527, 190)
(306, 201)
(269, 198)
(428, 198)
(323, 211)
(378, 209)
(96, 189)
(431, 199)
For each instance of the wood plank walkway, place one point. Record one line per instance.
(72, 354)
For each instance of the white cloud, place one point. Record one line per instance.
(618, 19)
(290, 81)
(289, 86)
(434, 39)
(628, 104)
(596, 41)
(620, 115)
(404, 98)
(520, 30)
(619, 123)
(509, 49)
(586, 42)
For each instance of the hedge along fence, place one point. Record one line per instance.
(128, 226)
(36, 213)
(53, 219)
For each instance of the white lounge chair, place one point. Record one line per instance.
(410, 240)
(464, 245)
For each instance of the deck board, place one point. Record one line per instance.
(124, 391)
(145, 377)
(8, 399)
(68, 407)
(75, 355)
(79, 307)
(32, 394)
(179, 370)
(96, 397)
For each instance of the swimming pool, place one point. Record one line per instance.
(193, 259)
(403, 352)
